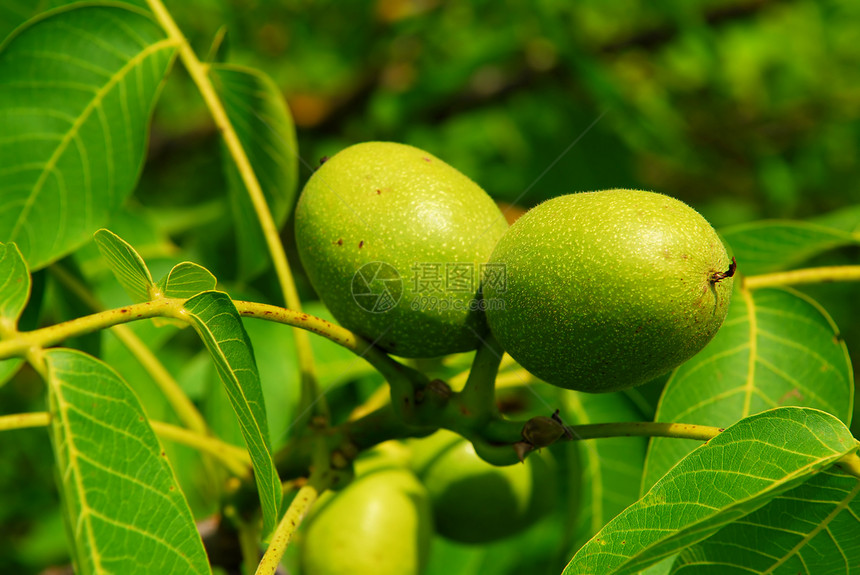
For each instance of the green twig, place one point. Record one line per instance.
(403, 380)
(458, 381)
(296, 512)
(850, 464)
(24, 420)
(479, 393)
(320, 479)
(234, 458)
(644, 428)
(184, 408)
(804, 276)
(23, 341)
(17, 344)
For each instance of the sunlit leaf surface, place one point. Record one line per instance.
(185, 280)
(14, 293)
(216, 320)
(814, 529)
(14, 284)
(76, 90)
(126, 264)
(776, 347)
(122, 504)
(773, 245)
(730, 476)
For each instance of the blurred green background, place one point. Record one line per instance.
(745, 109)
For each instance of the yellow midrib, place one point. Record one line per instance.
(86, 511)
(85, 114)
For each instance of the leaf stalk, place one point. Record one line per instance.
(823, 274)
(296, 512)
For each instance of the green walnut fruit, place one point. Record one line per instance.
(475, 502)
(607, 290)
(381, 524)
(394, 240)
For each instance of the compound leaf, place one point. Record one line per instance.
(77, 86)
(727, 478)
(218, 323)
(776, 347)
(122, 504)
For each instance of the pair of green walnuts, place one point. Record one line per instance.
(593, 291)
(383, 522)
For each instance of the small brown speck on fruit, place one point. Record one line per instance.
(414, 223)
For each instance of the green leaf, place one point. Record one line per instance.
(126, 264)
(776, 347)
(15, 12)
(259, 114)
(845, 219)
(14, 285)
(8, 368)
(774, 245)
(186, 280)
(663, 567)
(813, 529)
(123, 508)
(216, 320)
(14, 294)
(611, 468)
(730, 476)
(77, 86)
